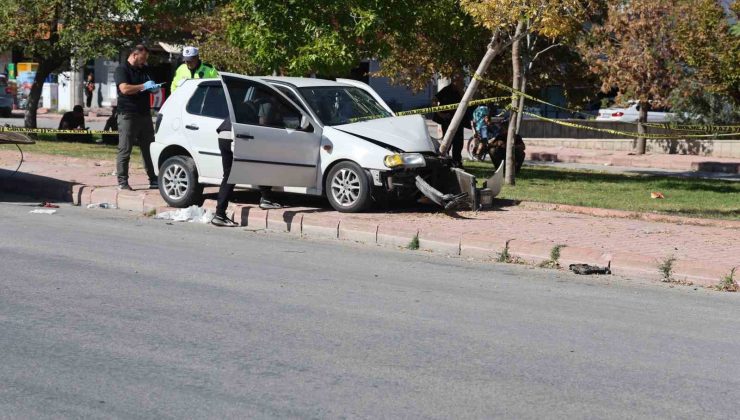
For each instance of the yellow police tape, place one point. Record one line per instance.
(706, 128)
(627, 133)
(52, 131)
(432, 109)
(694, 127)
(530, 97)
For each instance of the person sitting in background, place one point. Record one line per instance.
(497, 148)
(73, 120)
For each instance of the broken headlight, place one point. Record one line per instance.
(405, 160)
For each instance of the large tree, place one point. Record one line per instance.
(509, 21)
(635, 50)
(56, 33)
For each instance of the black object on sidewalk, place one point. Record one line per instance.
(590, 269)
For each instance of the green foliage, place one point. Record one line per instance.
(665, 267)
(692, 104)
(728, 283)
(414, 243)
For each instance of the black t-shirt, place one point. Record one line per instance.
(137, 103)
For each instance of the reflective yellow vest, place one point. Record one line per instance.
(204, 71)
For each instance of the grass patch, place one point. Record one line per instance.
(666, 269)
(683, 196)
(414, 243)
(728, 283)
(49, 145)
(554, 261)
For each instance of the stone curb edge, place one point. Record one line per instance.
(313, 225)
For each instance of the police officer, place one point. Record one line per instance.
(192, 68)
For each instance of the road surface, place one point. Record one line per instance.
(106, 314)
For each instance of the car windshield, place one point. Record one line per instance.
(336, 105)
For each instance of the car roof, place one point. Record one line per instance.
(298, 82)
(301, 81)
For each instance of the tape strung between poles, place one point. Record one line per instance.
(627, 133)
(733, 129)
(439, 108)
(52, 131)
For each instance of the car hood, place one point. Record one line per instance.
(408, 133)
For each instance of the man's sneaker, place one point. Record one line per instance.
(154, 185)
(266, 204)
(124, 187)
(223, 221)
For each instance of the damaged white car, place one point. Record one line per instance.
(303, 135)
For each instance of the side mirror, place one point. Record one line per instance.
(305, 123)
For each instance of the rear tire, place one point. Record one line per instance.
(5, 112)
(348, 188)
(178, 182)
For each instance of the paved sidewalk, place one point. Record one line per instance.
(705, 250)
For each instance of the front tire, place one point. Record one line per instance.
(348, 188)
(178, 182)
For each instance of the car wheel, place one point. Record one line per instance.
(178, 182)
(5, 112)
(348, 188)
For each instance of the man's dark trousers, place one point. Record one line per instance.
(134, 129)
(225, 190)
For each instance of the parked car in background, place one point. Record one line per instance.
(632, 114)
(6, 97)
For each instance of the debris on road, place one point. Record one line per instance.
(656, 194)
(43, 211)
(590, 269)
(48, 205)
(101, 206)
(191, 214)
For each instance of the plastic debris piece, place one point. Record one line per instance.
(191, 214)
(656, 194)
(43, 211)
(101, 206)
(48, 205)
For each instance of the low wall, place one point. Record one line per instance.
(533, 128)
(716, 148)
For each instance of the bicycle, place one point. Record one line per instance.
(473, 145)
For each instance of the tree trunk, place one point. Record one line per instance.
(34, 96)
(494, 48)
(641, 141)
(523, 88)
(516, 64)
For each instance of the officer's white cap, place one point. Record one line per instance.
(189, 52)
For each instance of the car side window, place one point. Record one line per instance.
(214, 104)
(195, 104)
(255, 104)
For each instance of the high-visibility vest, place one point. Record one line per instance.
(204, 71)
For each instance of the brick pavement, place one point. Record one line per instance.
(635, 247)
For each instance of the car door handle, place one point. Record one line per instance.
(244, 136)
(192, 127)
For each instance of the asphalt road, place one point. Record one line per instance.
(107, 315)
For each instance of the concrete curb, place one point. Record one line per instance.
(311, 223)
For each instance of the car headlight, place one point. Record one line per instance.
(405, 160)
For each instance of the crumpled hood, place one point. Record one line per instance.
(408, 133)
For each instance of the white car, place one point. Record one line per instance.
(337, 139)
(632, 114)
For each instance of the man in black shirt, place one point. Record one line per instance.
(73, 120)
(134, 114)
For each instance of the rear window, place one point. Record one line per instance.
(208, 101)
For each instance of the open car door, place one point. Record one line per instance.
(275, 143)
